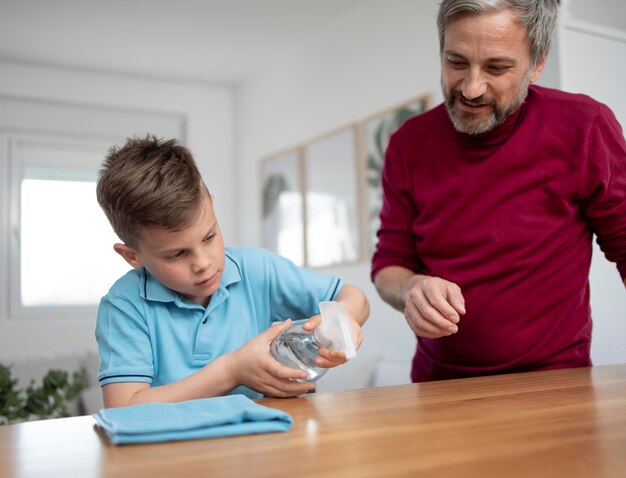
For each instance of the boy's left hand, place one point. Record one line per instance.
(331, 358)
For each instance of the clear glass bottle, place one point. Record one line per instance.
(297, 348)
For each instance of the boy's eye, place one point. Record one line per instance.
(210, 237)
(177, 255)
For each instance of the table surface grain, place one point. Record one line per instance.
(562, 423)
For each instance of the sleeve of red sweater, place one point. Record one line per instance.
(604, 201)
(396, 241)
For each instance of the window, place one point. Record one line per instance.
(65, 241)
(61, 250)
(56, 244)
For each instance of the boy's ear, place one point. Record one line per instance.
(128, 254)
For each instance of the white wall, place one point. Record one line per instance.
(209, 133)
(610, 13)
(375, 56)
(593, 62)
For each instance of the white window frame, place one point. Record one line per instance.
(17, 166)
(24, 121)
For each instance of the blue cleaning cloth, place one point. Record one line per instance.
(204, 418)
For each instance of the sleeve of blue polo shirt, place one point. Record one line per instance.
(295, 292)
(122, 334)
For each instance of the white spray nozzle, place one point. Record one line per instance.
(335, 327)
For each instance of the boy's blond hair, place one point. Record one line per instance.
(149, 182)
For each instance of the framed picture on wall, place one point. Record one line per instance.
(375, 133)
(332, 199)
(283, 205)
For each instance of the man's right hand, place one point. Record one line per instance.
(433, 307)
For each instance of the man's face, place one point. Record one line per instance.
(190, 261)
(485, 66)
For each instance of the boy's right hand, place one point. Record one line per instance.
(254, 367)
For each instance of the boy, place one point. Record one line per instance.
(193, 319)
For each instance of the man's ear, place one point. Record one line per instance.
(534, 75)
(128, 254)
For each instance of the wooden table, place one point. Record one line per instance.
(564, 423)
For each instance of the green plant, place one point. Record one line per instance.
(50, 400)
(380, 134)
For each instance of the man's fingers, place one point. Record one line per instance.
(428, 322)
(456, 299)
(440, 314)
(440, 303)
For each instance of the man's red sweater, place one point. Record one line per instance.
(508, 216)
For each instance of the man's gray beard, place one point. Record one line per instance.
(497, 116)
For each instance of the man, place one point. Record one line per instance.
(491, 200)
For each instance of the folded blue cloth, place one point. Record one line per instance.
(204, 418)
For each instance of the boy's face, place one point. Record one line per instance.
(190, 262)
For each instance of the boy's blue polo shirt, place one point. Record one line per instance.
(149, 333)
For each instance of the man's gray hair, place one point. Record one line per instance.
(538, 16)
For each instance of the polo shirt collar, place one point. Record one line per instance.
(152, 289)
(232, 271)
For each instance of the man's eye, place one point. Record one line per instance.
(498, 69)
(456, 63)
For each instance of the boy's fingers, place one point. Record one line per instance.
(312, 323)
(330, 358)
(276, 329)
(289, 388)
(281, 371)
(331, 354)
(325, 363)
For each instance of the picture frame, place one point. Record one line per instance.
(375, 132)
(332, 205)
(282, 203)
(321, 199)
